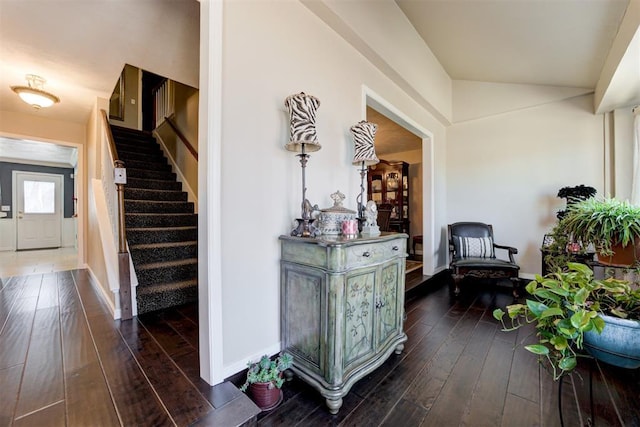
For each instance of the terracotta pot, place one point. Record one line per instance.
(265, 395)
(622, 256)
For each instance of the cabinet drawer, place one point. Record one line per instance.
(361, 255)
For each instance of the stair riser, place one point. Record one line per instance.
(161, 300)
(133, 135)
(128, 156)
(151, 184)
(148, 164)
(139, 221)
(166, 274)
(153, 255)
(142, 194)
(148, 206)
(150, 174)
(140, 237)
(139, 147)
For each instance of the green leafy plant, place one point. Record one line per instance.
(603, 222)
(268, 371)
(556, 255)
(563, 306)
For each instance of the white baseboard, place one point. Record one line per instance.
(241, 365)
(100, 290)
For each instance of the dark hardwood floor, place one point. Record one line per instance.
(64, 361)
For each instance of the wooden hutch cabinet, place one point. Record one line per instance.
(342, 308)
(388, 183)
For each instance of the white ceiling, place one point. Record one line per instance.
(540, 42)
(80, 46)
(38, 153)
(543, 42)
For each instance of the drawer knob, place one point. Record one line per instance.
(366, 254)
(395, 248)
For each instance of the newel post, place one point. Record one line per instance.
(120, 179)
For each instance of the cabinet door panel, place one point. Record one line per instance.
(359, 315)
(303, 313)
(387, 298)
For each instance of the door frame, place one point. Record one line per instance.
(372, 99)
(80, 188)
(14, 189)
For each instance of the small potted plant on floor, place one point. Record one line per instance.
(570, 309)
(613, 226)
(264, 380)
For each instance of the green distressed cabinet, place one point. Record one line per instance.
(342, 308)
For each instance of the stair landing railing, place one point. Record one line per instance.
(119, 179)
(164, 103)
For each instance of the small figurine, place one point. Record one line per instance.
(337, 198)
(370, 227)
(308, 211)
(371, 214)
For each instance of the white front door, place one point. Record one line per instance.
(39, 210)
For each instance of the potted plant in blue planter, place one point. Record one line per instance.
(573, 311)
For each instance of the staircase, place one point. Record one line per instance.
(161, 225)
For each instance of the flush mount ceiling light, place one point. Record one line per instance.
(33, 94)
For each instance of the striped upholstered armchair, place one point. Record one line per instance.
(472, 254)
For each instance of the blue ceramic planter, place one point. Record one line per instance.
(618, 344)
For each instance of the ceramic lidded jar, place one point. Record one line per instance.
(331, 218)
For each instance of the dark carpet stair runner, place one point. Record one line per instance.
(161, 225)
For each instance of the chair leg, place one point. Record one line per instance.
(454, 284)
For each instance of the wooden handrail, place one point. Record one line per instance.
(183, 138)
(112, 144)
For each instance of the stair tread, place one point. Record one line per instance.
(163, 245)
(155, 201)
(161, 213)
(183, 227)
(153, 179)
(153, 189)
(166, 286)
(162, 264)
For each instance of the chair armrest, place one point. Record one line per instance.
(511, 249)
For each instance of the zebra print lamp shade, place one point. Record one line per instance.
(363, 136)
(302, 118)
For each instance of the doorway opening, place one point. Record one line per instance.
(28, 166)
(400, 139)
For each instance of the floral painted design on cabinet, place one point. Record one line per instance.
(359, 315)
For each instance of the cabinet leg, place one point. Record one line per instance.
(334, 405)
(399, 348)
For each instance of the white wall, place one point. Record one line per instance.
(506, 169)
(273, 50)
(69, 228)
